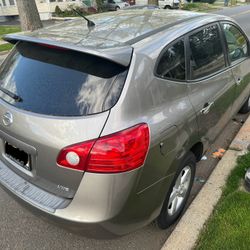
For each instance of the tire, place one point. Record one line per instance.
(117, 8)
(246, 107)
(167, 7)
(171, 211)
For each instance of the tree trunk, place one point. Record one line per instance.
(153, 2)
(29, 16)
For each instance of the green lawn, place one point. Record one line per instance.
(6, 30)
(229, 226)
(206, 7)
(5, 47)
(9, 29)
(200, 7)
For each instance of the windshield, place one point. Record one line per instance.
(60, 82)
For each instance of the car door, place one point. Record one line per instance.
(211, 82)
(237, 46)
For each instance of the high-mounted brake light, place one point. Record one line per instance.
(51, 46)
(123, 151)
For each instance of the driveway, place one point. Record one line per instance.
(20, 229)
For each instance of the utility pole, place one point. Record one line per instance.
(29, 16)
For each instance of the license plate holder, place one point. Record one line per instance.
(18, 156)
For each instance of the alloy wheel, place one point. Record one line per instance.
(180, 190)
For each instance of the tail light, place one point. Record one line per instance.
(115, 153)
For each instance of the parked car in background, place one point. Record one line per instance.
(202, 1)
(169, 4)
(142, 7)
(115, 4)
(164, 4)
(102, 123)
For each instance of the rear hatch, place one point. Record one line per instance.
(52, 97)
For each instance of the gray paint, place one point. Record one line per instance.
(120, 203)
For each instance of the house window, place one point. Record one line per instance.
(12, 2)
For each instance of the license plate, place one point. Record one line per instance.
(18, 156)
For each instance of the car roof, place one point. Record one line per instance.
(113, 31)
(115, 27)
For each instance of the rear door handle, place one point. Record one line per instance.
(206, 108)
(238, 81)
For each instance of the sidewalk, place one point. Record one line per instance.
(3, 55)
(2, 42)
(186, 233)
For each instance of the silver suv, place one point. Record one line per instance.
(102, 123)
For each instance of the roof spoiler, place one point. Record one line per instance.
(120, 55)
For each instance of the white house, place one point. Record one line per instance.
(45, 7)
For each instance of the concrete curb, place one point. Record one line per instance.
(3, 53)
(187, 230)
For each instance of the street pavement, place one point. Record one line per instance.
(20, 229)
(241, 14)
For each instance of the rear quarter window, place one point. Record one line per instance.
(172, 64)
(60, 82)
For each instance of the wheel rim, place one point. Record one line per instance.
(179, 191)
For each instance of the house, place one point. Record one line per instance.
(8, 8)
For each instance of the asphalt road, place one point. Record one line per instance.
(241, 14)
(20, 229)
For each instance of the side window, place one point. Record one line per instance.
(236, 42)
(207, 55)
(172, 63)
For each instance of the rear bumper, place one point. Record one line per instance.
(104, 206)
(92, 230)
(97, 203)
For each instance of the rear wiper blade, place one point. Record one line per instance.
(12, 95)
(90, 24)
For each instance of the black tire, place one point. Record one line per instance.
(165, 219)
(246, 107)
(167, 7)
(117, 8)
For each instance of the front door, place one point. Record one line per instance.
(238, 55)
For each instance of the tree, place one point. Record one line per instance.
(29, 16)
(153, 2)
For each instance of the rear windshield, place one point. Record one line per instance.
(60, 82)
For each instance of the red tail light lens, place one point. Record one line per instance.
(80, 150)
(115, 153)
(120, 152)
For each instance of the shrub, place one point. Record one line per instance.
(58, 11)
(69, 12)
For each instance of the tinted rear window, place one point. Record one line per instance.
(60, 82)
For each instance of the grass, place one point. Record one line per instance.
(229, 226)
(5, 47)
(200, 7)
(6, 30)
